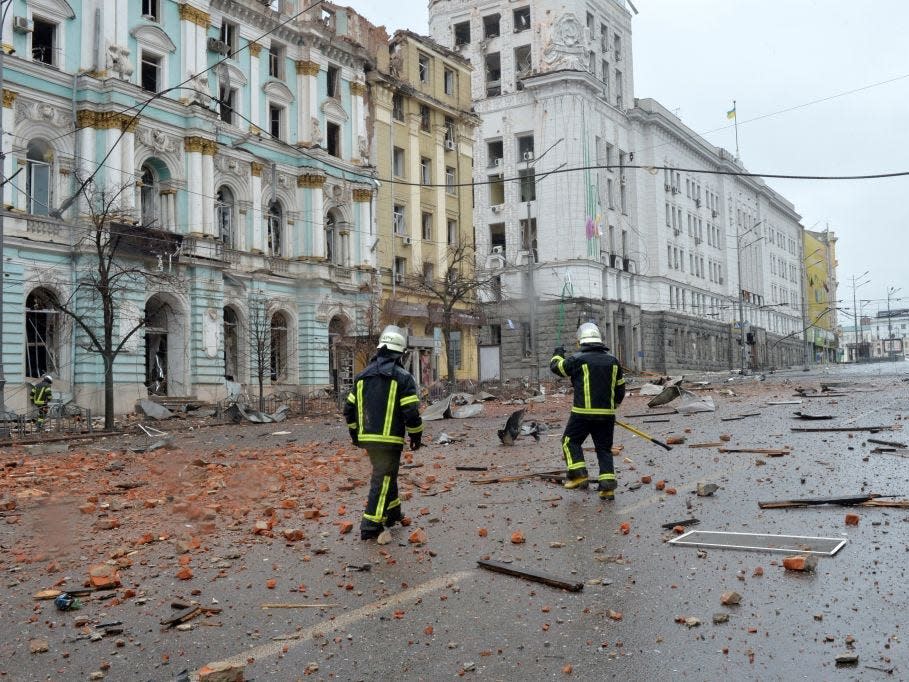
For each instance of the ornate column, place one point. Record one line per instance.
(254, 91)
(316, 220)
(362, 254)
(193, 147)
(167, 209)
(358, 134)
(307, 107)
(255, 186)
(128, 163)
(194, 25)
(9, 97)
(209, 149)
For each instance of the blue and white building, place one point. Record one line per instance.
(241, 134)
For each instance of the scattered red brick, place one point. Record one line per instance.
(103, 577)
(428, 630)
(675, 440)
(185, 573)
(221, 672)
(758, 571)
(625, 527)
(482, 532)
(679, 530)
(660, 485)
(517, 538)
(271, 583)
(852, 519)
(614, 615)
(798, 562)
(345, 527)
(567, 668)
(646, 479)
(293, 534)
(87, 508)
(671, 491)
(417, 537)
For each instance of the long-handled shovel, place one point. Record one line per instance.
(643, 435)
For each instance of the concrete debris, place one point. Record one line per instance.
(719, 618)
(650, 389)
(667, 395)
(730, 598)
(483, 396)
(707, 489)
(441, 409)
(221, 672)
(238, 413)
(848, 659)
(692, 404)
(468, 411)
(153, 410)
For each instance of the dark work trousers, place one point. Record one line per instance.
(576, 431)
(383, 505)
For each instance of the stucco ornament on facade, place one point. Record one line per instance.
(226, 164)
(567, 45)
(158, 140)
(316, 128)
(118, 61)
(41, 112)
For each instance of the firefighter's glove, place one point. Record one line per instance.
(353, 436)
(416, 441)
(560, 351)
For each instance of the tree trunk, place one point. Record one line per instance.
(108, 391)
(449, 351)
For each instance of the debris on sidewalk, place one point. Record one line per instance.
(822, 429)
(153, 410)
(693, 404)
(674, 524)
(441, 409)
(534, 576)
(706, 489)
(800, 563)
(802, 415)
(740, 416)
(667, 395)
(770, 452)
(512, 429)
(468, 411)
(889, 443)
(221, 671)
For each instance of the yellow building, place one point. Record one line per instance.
(820, 287)
(422, 148)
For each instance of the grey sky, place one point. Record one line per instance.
(696, 56)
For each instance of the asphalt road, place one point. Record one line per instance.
(427, 612)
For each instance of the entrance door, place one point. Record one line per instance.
(490, 363)
(156, 362)
(621, 345)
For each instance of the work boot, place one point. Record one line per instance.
(394, 516)
(607, 489)
(573, 482)
(369, 530)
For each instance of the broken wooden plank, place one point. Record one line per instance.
(686, 522)
(847, 501)
(784, 402)
(740, 416)
(824, 395)
(517, 477)
(770, 452)
(546, 579)
(821, 429)
(890, 443)
(894, 504)
(802, 415)
(664, 413)
(707, 445)
(656, 421)
(181, 616)
(471, 468)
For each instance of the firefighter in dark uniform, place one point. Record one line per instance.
(599, 389)
(380, 408)
(40, 396)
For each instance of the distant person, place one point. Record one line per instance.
(40, 396)
(599, 389)
(382, 405)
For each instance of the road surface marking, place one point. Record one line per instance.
(341, 622)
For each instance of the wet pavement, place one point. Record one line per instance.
(426, 611)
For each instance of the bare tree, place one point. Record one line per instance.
(457, 285)
(112, 261)
(260, 342)
(374, 319)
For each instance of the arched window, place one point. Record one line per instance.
(41, 323)
(148, 196)
(224, 216)
(275, 226)
(37, 178)
(278, 347)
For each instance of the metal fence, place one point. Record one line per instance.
(61, 419)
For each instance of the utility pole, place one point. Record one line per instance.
(738, 263)
(855, 316)
(890, 292)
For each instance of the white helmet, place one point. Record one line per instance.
(48, 378)
(589, 333)
(393, 339)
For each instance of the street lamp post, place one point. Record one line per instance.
(855, 315)
(738, 263)
(890, 292)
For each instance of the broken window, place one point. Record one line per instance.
(150, 10)
(231, 344)
(37, 178)
(493, 75)
(494, 152)
(227, 97)
(150, 72)
(462, 33)
(496, 190)
(423, 67)
(333, 143)
(523, 64)
(148, 196)
(229, 33)
(224, 215)
(528, 184)
(276, 60)
(397, 106)
(497, 238)
(521, 19)
(44, 40)
(425, 118)
(525, 147)
(398, 162)
(333, 81)
(449, 81)
(276, 121)
(427, 226)
(278, 347)
(275, 218)
(491, 26)
(41, 319)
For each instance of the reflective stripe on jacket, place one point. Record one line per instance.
(41, 394)
(383, 404)
(599, 386)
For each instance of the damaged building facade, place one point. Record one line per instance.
(571, 212)
(249, 183)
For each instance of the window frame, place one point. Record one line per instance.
(228, 34)
(155, 10)
(397, 107)
(145, 58)
(333, 131)
(333, 81)
(424, 68)
(396, 154)
(55, 32)
(448, 81)
(281, 111)
(277, 55)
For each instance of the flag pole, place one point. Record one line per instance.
(735, 119)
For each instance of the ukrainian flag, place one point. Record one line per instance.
(730, 114)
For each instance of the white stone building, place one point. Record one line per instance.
(551, 82)
(638, 227)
